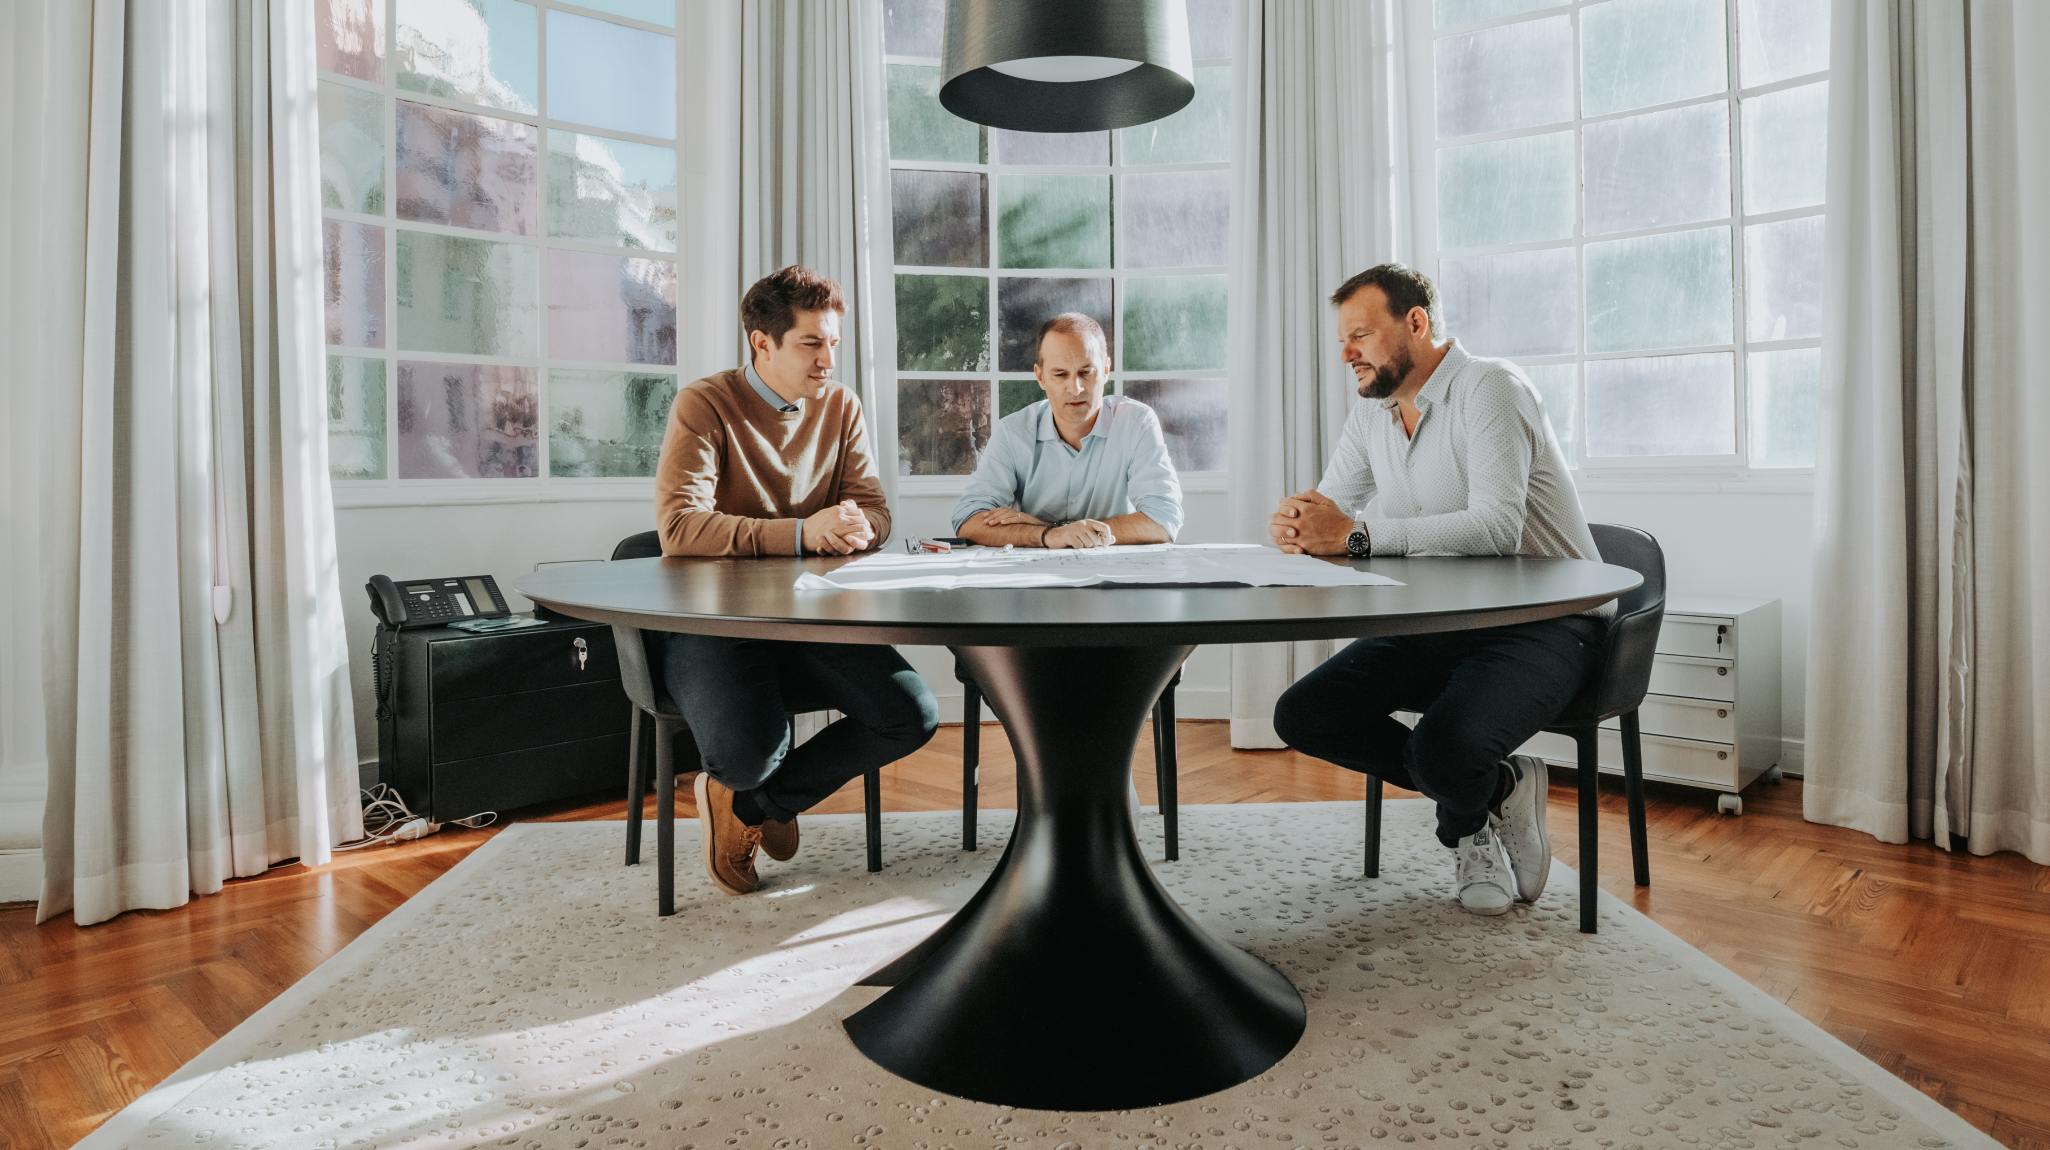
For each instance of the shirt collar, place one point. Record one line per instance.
(1047, 430)
(1440, 381)
(769, 397)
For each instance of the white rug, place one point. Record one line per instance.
(531, 998)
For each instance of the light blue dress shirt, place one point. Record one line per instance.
(1121, 468)
(754, 380)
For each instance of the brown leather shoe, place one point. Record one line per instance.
(779, 838)
(729, 843)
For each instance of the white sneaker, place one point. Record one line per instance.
(1521, 827)
(1482, 875)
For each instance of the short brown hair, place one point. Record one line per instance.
(1405, 288)
(772, 304)
(1076, 324)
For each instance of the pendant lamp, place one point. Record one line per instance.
(1066, 65)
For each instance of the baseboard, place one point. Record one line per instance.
(21, 875)
(1794, 757)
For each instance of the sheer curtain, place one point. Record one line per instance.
(199, 722)
(1930, 657)
(1319, 131)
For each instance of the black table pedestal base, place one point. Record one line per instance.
(1071, 981)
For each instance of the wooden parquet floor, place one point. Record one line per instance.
(1935, 966)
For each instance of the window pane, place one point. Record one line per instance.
(611, 191)
(470, 297)
(1785, 389)
(920, 129)
(1210, 23)
(1075, 149)
(1783, 279)
(1668, 290)
(353, 273)
(913, 27)
(1517, 303)
(467, 421)
(1635, 53)
(1658, 169)
(1508, 77)
(1199, 133)
(1558, 384)
(464, 170)
(661, 12)
(942, 323)
(1024, 304)
(351, 149)
(480, 51)
(1785, 137)
(606, 423)
(610, 76)
(349, 37)
(1453, 13)
(1174, 323)
(1053, 221)
(1174, 219)
(611, 309)
(1506, 191)
(1018, 394)
(1192, 418)
(942, 425)
(1778, 39)
(1668, 405)
(355, 417)
(941, 219)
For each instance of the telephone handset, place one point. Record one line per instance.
(421, 603)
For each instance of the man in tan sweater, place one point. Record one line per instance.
(773, 459)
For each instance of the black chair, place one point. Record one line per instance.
(639, 653)
(1616, 688)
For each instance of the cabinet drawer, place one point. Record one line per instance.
(527, 776)
(467, 728)
(1707, 719)
(505, 663)
(1693, 678)
(1702, 638)
(1670, 760)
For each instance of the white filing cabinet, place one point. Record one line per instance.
(1712, 717)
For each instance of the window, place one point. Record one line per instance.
(1629, 199)
(499, 192)
(997, 231)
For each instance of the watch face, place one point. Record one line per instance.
(1356, 544)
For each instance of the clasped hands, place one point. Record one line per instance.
(1308, 523)
(1079, 533)
(841, 529)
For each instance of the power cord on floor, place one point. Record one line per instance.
(387, 819)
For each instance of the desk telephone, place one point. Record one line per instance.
(422, 603)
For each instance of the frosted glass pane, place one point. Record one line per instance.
(1506, 191)
(1635, 53)
(1199, 133)
(1659, 169)
(1559, 385)
(1210, 29)
(1053, 221)
(1668, 405)
(471, 297)
(1192, 418)
(942, 323)
(920, 129)
(940, 219)
(1517, 303)
(1785, 142)
(468, 171)
(348, 37)
(1785, 390)
(1073, 149)
(468, 421)
(661, 12)
(611, 191)
(355, 417)
(1025, 304)
(1669, 290)
(606, 423)
(1783, 279)
(611, 309)
(1174, 219)
(1509, 77)
(610, 76)
(351, 149)
(914, 27)
(1018, 394)
(1174, 323)
(1778, 39)
(942, 425)
(353, 278)
(1453, 13)
(479, 51)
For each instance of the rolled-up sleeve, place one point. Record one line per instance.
(1150, 479)
(998, 480)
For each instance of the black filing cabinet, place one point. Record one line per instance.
(496, 721)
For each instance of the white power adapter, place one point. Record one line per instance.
(414, 828)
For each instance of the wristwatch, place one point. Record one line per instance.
(1358, 544)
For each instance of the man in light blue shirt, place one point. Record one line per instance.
(1078, 468)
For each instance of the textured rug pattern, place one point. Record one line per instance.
(531, 998)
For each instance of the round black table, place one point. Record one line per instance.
(1071, 981)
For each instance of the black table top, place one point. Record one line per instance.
(754, 598)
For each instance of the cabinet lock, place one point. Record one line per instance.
(583, 653)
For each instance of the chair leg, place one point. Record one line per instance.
(1633, 787)
(1166, 771)
(971, 760)
(1589, 777)
(1373, 867)
(636, 788)
(665, 818)
(872, 813)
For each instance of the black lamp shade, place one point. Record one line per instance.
(1000, 57)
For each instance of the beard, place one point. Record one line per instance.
(1388, 377)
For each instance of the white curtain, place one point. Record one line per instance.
(199, 723)
(1319, 143)
(1930, 655)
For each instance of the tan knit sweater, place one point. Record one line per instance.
(737, 476)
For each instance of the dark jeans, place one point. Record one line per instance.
(1480, 694)
(736, 694)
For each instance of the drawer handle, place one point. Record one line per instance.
(583, 653)
(1722, 671)
(1722, 712)
(1722, 754)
